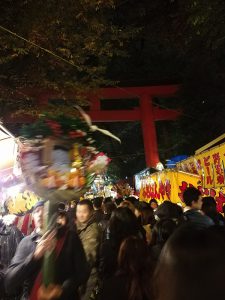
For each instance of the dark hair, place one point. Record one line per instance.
(64, 215)
(147, 215)
(209, 209)
(109, 207)
(132, 200)
(107, 199)
(191, 266)
(162, 230)
(134, 262)
(208, 205)
(169, 210)
(86, 202)
(191, 194)
(118, 201)
(128, 204)
(144, 204)
(97, 202)
(153, 201)
(61, 207)
(122, 224)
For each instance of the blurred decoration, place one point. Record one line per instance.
(159, 166)
(59, 156)
(101, 187)
(123, 189)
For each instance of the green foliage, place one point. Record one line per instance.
(57, 126)
(83, 33)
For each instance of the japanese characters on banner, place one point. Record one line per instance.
(170, 185)
(209, 165)
(167, 185)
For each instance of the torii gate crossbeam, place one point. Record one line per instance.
(146, 113)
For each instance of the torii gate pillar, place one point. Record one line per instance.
(149, 131)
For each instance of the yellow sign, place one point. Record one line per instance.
(167, 185)
(21, 203)
(170, 185)
(209, 165)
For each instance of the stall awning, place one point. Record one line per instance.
(8, 150)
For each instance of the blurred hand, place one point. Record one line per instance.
(46, 243)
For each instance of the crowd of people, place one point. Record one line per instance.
(107, 249)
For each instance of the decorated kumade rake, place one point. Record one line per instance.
(59, 160)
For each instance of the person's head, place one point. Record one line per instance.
(134, 262)
(192, 197)
(153, 203)
(132, 200)
(38, 213)
(128, 204)
(162, 230)
(62, 219)
(147, 215)
(107, 199)
(191, 266)
(118, 201)
(61, 207)
(84, 211)
(108, 208)
(209, 205)
(169, 210)
(97, 203)
(122, 224)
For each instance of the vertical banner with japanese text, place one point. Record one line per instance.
(209, 165)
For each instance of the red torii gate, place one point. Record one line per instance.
(146, 113)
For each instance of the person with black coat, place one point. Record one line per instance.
(10, 237)
(71, 267)
(122, 224)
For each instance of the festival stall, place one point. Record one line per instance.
(8, 150)
(209, 164)
(168, 184)
(15, 199)
(101, 187)
(205, 170)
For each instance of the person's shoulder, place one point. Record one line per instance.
(208, 220)
(92, 227)
(27, 239)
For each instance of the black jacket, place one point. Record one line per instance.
(10, 237)
(71, 267)
(196, 218)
